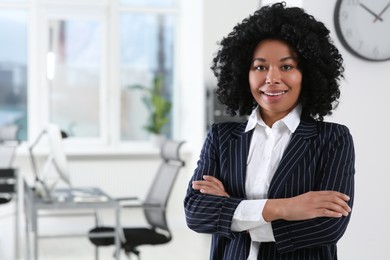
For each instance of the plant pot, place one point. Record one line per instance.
(157, 139)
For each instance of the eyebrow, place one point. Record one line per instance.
(282, 59)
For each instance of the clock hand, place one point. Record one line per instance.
(381, 13)
(371, 12)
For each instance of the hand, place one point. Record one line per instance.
(309, 205)
(377, 17)
(210, 185)
(382, 12)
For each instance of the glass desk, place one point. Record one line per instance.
(67, 199)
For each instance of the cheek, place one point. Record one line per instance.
(255, 81)
(254, 88)
(295, 81)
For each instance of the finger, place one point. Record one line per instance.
(201, 184)
(334, 208)
(207, 186)
(329, 213)
(339, 201)
(211, 191)
(214, 180)
(335, 193)
(343, 204)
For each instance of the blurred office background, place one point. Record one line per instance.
(73, 62)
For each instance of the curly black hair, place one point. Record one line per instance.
(318, 59)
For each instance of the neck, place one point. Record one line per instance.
(270, 118)
(269, 121)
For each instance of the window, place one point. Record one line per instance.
(146, 51)
(74, 66)
(86, 56)
(13, 68)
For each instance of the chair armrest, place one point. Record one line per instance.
(152, 205)
(140, 204)
(126, 198)
(135, 202)
(129, 202)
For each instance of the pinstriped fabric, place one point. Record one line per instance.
(320, 156)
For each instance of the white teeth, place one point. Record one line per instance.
(275, 94)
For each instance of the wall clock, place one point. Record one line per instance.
(363, 27)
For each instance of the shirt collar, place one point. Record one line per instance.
(291, 120)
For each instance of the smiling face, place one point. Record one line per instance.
(274, 79)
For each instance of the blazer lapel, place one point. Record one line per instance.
(295, 151)
(238, 149)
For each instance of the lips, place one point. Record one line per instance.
(274, 94)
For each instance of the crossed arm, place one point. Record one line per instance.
(306, 206)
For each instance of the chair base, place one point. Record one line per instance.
(134, 237)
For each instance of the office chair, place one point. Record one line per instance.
(154, 208)
(8, 144)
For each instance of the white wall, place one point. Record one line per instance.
(219, 19)
(362, 109)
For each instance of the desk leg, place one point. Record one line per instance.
(32, 230)
(27, 241)
(35, 233)
(17, 196)
(117, 230)
(27, 215)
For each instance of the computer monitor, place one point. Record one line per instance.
(45, 180)
(57, 154)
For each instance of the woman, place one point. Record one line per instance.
(279, 186)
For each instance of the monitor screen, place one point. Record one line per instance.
(57, 153)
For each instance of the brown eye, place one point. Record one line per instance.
(260, 67)
(287, 67)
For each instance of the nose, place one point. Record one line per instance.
(273, 76)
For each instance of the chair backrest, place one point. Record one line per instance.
(8, 144)
(162, 185)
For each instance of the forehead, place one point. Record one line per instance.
(273, 48)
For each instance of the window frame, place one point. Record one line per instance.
(188, 124)
(72, 12)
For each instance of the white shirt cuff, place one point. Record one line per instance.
(248, 215)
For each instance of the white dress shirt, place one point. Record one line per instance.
(265, 152)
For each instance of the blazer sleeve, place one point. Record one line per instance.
(334, 171)
(207, 213)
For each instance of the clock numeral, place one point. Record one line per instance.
(348, 33)
(375, 51)
(360, 45)
(344, 15)
(353, 2)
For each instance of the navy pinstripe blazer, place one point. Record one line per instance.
(320, 156)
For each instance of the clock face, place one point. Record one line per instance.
(363, 27)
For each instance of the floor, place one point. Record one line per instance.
(184, 241)
(185, 244)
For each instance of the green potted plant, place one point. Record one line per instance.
(157, 105)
